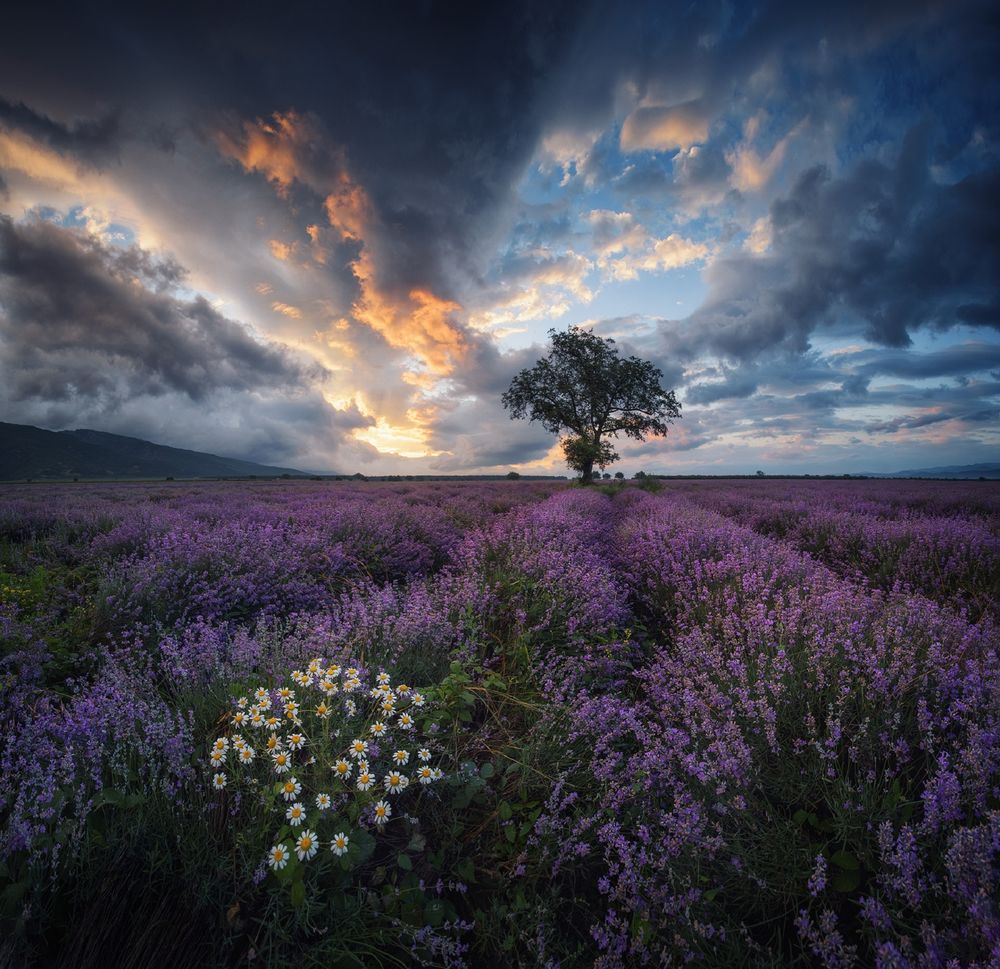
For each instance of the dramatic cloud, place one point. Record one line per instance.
(81, 318)
(94, 141)
(665, 128)
(867, 248)
(789, 207)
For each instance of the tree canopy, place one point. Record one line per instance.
(583, 386)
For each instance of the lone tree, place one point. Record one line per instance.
(584, 387)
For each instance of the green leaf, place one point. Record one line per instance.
(845, 881)
(11, 897)
(487, 770)
(800, 817)
(434, 912)
(845, 860)
(505, 811)
(362, 845)
(298, 893)
(404, 862)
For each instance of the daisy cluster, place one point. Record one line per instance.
(328, 749)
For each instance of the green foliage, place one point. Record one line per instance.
(584, 387)
(582, 454)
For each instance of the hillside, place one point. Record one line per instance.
(31, 452)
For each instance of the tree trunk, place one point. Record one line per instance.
(587, 472)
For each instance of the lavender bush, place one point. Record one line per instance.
(728, 723)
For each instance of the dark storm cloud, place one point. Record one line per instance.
(954, 361)
(79, 318)
(736, 385)
(436, 105)
(436, 110)
(853, 371)
(926, 420)
(93, 141)
(882, 246)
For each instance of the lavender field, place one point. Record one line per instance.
(720, 723)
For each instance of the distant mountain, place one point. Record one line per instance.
(30, 452)
(972, 471)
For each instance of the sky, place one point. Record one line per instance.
(328, 236)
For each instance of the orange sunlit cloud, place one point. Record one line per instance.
(293, 312)
(274, 147)
(348, 208)
(288, 147)
(421, 323)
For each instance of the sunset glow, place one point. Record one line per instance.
(788, 215)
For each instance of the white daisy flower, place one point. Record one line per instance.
(401, 757)
(365, 780)
(296, 741)
(425, 774)
(423, 754)
(217, 757)
(221, 744)
(239, 718)
(343, 769)
(277, 857)
(417, 699)
(352, 672)
(272, 743)
(306, 846)
(351, 707)
(282, 762)
(405, 721)
(394, 782)
(290, 789)
(261, 695)
(339, 844)
(363, 766)
(242, 702)
(358, 749)
(219, 781)
(246, 755)
(323, 711)
(323, 802)
(438, 773)
(402, 689)
(384, 679)
(296, 814)
(238, 741)
(377, 728)
(383, 811)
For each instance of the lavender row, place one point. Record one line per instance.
(951, 558)
(806, 769)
